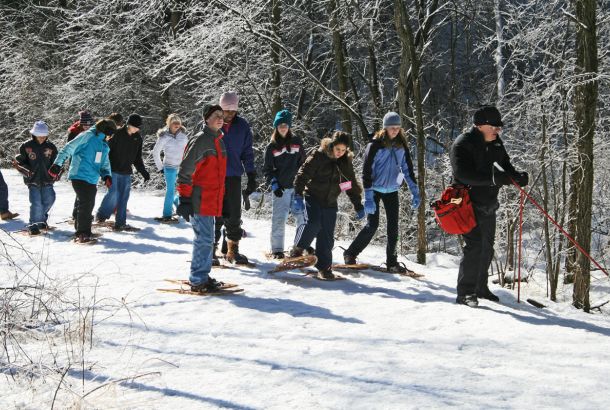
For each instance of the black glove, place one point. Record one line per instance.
(145, 175)
(501, 178)
(522, 178)
(185, 209)
(251, 187)
(54, 171)
(278, 192)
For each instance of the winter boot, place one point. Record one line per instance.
(278, 255)
(310, 250)
(296, 252)
(326, 274)
(33, 229)
(486, 294)
(5, 216)
(233, 255)
(397, 268)
(210, 285)
(349, 259)
(468, 300)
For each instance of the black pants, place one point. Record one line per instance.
(85, 195)
(478, 253)
(319, 225)
(231, 211)
(390, 203)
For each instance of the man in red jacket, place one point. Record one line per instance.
(201, 185)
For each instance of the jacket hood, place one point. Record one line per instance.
(75, 127)
(165, 130)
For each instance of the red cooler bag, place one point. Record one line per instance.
(453, 212)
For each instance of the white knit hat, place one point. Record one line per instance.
(40, 129)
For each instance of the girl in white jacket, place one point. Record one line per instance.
(171, 140)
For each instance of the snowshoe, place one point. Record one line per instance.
(398, 268)
(209, 288)
(125, 228)
(298, 262)
(169, 220)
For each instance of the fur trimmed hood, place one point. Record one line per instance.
(326, 146)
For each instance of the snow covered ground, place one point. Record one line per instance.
(374, 341)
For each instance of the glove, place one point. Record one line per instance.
(298, 203)
(522, 178)
(501, 178)
(360, 214)
(416, 199)
(369, 202)
(145, 175)
(275, 187)
(251, 187)
(107, 181)
(54, 171)
(185, 208)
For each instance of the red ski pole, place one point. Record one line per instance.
(550, 218)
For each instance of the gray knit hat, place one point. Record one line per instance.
(391, 119)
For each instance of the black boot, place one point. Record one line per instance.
(210, 285)
(215, 261)
(468, 300)
(327, 274)
(486, 294)
(349, 259)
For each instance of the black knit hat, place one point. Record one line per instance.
(210, 109)
(488, 116)
(134, 120)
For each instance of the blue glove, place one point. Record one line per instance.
(415, 193)
(369, 201)
(275, 188)
(298, 203)
(360, 214)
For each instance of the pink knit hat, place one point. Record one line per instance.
(229, 101)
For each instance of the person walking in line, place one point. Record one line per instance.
(89, 161)
(33, 161)
(171, 140)
(326, 173)
(387, 164)
(84, 122)
(473, 155)
(201, 185)
(284, 156)
(125, 153)
(240, 158)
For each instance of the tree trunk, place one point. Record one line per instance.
(408, 42)
(585, 103)
(499, 57)
(340, 64)
(276, 78)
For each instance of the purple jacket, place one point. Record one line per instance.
(238, 142)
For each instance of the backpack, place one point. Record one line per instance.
(453, 212)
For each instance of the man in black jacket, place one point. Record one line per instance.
(125, 151)
(473, 155)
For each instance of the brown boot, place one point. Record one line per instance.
(233, 255)
(5, 216)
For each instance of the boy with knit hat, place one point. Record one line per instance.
(33, 161)
(240, 157)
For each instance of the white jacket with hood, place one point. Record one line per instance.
(172, 146)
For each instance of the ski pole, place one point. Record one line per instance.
(521, 206)
(550, 218)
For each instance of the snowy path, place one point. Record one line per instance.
(372, 341)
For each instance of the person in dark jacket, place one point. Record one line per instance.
(326, 173)
(5, 214)
(283, 157)
(201, 185)
(89, 161)
(125, 152)
(240, 158)
(473, 155)
(85, 121)
(387, 164)
(33, 161)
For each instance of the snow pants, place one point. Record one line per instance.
(85, 195)
(319, 225)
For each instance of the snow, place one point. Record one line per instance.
(372, 341)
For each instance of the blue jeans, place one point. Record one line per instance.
(42, 199)
(171, 199)
(116, 197)
(3, 195)
(281, 207)
(203, 245)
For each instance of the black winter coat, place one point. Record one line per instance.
(282, 161)
(125, 151)
(472, 161)
(321, 175)
(37, 158)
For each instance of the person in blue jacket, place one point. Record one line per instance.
(88, 154)
(240, 157)
(387, 164)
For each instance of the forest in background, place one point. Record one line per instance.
(338, 63)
